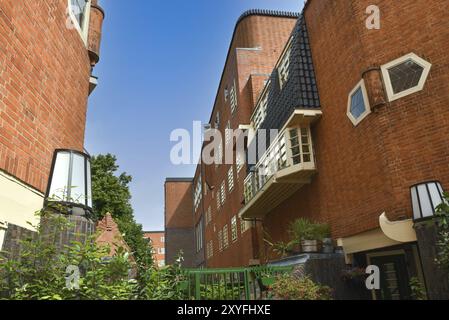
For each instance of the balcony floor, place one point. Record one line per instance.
(277, 189)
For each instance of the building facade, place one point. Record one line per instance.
(48, 50)
(179, 224)
(157, 242)
(360, 113)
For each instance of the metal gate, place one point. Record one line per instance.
(230, 284)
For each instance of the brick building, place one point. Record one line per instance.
(257, 42)
(157, 241)
(48, 50)
(179, 225)
(362, 140)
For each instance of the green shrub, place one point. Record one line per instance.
(289, 287)
(39, 273)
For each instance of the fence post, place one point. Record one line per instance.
(247, 291)
(197, 286)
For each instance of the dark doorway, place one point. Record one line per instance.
(394, 277)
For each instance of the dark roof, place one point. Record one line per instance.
(300, 90)
(178, 179)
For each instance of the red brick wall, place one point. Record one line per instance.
(179, 222)
(366, 170)
(44, 83)
(270, 34)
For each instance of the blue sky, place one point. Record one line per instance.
(160, 66)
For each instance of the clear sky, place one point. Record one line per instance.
(161, 62)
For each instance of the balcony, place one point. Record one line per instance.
(286, 166)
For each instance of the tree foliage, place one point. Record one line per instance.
(111, 194)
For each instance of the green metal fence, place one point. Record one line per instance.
(230, 284)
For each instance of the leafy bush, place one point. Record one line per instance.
(443, 233)
(165, 283)
(418, 290)
(289, 287)
(39, 273)
(304, 229)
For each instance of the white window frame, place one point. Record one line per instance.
(162, 239)
(223, 193)
(84, 29)
(234, 231)
(260, 112)
(198, 195)
(283, 66)
(355, 121)
(220, 240)
(231, 183)
(208, 216)
(234, 98)
(218, 201)
(199, 237)
(225, 237)
(387, 80)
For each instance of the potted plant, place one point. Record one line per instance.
(308, 233)
(324, 232)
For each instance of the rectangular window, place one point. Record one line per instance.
(219, 157)
(261, 109)
(231, 179)
(210, 249)
(199, 236)
(284, 65)
(225, 237)
(161, 250)
(228, 133)
(217, 120)
(79, 12)
(198, 195)
(220, 240)
(218, 201)
(208, 216)
(244, 226)
(234, 102)
(223, 193)
(162, 239)
(234, 232)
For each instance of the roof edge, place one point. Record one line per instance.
(267, 13)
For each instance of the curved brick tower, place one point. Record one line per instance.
(48, 50)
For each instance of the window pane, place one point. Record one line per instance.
(60, 179)
(426, 206)
(405, 75)
(357, 103)
(89, 185)
(78, 8)
(78, 187)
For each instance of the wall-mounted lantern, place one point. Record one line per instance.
(70, 183)
(426, 197)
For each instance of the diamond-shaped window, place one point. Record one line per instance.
(358, 103)
(405, 76)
